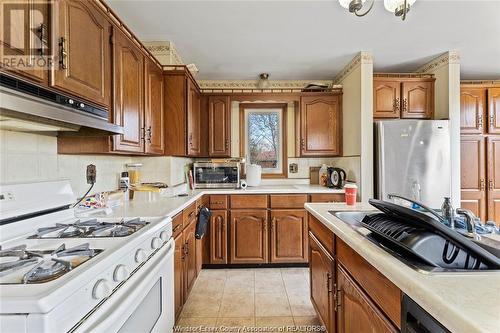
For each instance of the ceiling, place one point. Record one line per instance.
(308, 39)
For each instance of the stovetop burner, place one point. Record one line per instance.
(91, 229)
(21, 266)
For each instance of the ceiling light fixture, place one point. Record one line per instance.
(399, 7)
(264, 81)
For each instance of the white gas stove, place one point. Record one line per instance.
(61, 273)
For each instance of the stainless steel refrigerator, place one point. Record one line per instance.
(413, 160)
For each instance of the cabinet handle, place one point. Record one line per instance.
(481, 185)
(149, 134)
(405, 105)
(396, 104)
(273, 222)
(265, 224)
(176, 228)
(328, 282)
(190, 139)
(227, 143)
(492, 120)
(186, 249)
(338, 302)
(190, 214)
(183, 252)
(143, 134)
(42, 34)
(62, 53)
(303, 144)
(480, 120)
(217, 203)
(490, 185)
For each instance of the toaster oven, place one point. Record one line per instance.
(216, 174)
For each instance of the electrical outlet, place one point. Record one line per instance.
(91, 174)
(293, 168)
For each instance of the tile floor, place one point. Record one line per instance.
(271, 299)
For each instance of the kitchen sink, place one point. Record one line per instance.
(418, 247)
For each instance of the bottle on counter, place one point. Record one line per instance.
(448, 212)
(125, 184)
(323, 175)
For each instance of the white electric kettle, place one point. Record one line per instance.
(254, 174)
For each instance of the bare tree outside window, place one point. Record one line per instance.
(263, 138)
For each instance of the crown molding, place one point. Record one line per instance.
(362, 57)
(253, 84)
(448, 58)
(164, 51)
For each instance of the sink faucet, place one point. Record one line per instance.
(430, 210)
(469, 221)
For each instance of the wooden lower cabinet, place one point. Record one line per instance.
(189, 256)
(218, 237)
(249, 237)
(493, 172)
(178, 275)
(321, 275)
(355, 311)
(288, 236)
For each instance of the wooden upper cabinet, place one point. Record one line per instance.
(355, 311)
(26, 27)
(322, 280)
(219, 126)
(218, 237)
(473, 174)
(193, 120)
(472, 110)
(494, 179)
(417, 99)
(494, 110)
(81, 47)
(288, 236)
(153, 111)
(128, 94)
(386, 98)
(321, 126)
(249, 237)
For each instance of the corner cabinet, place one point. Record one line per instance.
(81, 47)
(128, 94)
(249, 237)
(320, 125)
(219, 126)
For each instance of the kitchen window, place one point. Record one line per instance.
(263, 137)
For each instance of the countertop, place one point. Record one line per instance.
(147, 204)
(462, 302)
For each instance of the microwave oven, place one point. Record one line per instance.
(216, 174)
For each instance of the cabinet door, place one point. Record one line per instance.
(219, 131)
(355, 311)
(494, 110)
(472, 110)
(321, 126)
(249, 237)
(190, 256)
(218, 237)
(321, 275)
(193, 119)
(82, 51)
(418, 99)
(386, 99)
(153, 113)
(178, 275)
(494, 179)
(25, 39)
(288, 236)
(473, 174)
(128, 82)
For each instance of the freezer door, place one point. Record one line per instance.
(413, 160)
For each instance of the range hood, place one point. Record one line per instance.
(30, 108)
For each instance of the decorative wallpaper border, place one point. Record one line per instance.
(362, 57)
(450, 57)
(253, 84)
(161, 49)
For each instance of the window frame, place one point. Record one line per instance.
(243, 139)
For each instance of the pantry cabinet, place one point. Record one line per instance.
(320, 125)
(218, 237)
(288, 236)
(355, 311)
(396, 96)
(26, 41)
(248, 237)
(81, 47)
(494, 179)
(472, 110)
(219, 126)
(494, 110)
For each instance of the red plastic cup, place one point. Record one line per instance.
(350, 194)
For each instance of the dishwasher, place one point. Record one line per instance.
(414, 319)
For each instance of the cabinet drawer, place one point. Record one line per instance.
(218, 202)
(248, 201)
(288, 201)
(322, 233)
(189, 213)
(328, 197)
(382, 291)
(177, 225)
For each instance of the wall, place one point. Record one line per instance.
(446, 70)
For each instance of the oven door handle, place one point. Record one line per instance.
(110, 316)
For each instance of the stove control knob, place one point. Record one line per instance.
(156, 243)
(121, 273)
(164, 236)
(140, 256)
(101, 289)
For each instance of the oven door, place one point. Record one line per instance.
(144, 303)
